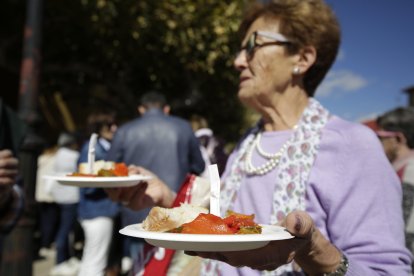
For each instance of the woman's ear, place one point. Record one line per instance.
(401, 138)
(307, 57)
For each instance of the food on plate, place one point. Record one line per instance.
(163, 219)
(101, 169)
(191, 219)
(233, 223)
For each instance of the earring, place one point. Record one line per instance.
(296, 70)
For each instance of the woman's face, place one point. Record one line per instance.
(267, 70)
(108, 131)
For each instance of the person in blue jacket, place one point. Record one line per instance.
(96, 211)
(161, 142)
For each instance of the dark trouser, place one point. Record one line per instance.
(116, 247)
(68, 215)
(49, 222)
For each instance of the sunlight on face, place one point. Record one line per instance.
(266, 70)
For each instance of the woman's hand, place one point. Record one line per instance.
(149, 193)
(8, 173)
(309, 249)
(8, 168)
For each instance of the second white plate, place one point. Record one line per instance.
(211, 243)
(99, 182)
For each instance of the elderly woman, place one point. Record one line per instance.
(325, 179)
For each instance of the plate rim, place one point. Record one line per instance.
(176, 237)
(111, 179)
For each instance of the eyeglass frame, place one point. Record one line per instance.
(384, 134)
(252, 44)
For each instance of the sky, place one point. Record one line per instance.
(376, 58)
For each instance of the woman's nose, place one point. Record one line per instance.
(240, 62)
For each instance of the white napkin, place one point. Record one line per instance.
(91, 151)
(214, 189)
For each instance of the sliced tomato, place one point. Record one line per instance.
(206, 224)
(121, 169)
(236, 221)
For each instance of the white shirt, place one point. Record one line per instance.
(65, 163)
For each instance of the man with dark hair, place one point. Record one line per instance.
(160, 142)
(153, 100)
(396, 132)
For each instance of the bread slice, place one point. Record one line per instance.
(163, 219)
(100, 164)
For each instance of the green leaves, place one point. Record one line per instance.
(181, 47)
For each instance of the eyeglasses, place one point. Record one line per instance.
(252, 43)
(383, 134)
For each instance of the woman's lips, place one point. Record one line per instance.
(242, 79)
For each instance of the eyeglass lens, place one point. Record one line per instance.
(251, 44)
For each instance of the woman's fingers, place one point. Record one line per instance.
(8, 168)
(275, 253)
(271, 256)
(5, 153)
(133, 197)
(8, 172)
(299, 224)
(113, 193)
(132, 169)
(7, 161)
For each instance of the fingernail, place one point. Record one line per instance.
(298, 223)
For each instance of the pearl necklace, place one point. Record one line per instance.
(273, 158)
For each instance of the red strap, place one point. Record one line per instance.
(159, 267)
(183, 194)
(400, 173)
(156, 267)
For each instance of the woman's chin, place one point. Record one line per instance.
(246, 100)
(244, 93)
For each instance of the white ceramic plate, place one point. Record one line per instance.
(211, 243)
(99, 182)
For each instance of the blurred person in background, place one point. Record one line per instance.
(11, 195)
(396, 132)
(67, 198)
(48, 209)
(300, 166)
(12, 133)
(211, 146)
(161, 142)
(96, 211)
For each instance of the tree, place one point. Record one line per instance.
(12, 13)
(108, 52)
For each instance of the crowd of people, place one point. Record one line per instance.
(149, 140)
(70, 215)
(348, 202)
